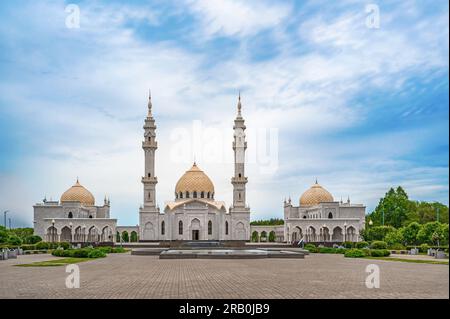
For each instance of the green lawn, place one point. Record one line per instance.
(417, 261)
(56, 262)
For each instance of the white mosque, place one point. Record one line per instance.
(195, 213)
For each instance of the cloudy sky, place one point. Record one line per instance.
(326, 94)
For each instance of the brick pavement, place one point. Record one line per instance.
(316, 276)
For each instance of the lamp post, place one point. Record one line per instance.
(345, 232)
(4, 214)
(9, 221)
(71, 234)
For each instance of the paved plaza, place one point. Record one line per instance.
(316, 276)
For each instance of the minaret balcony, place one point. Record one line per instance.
(239, 180)
(149, 180)
(148, 144)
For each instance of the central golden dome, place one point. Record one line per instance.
(315, 195)
(77, 193)
(194, 180)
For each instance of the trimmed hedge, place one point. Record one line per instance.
(354, 253)
(378, 245)
(96, 253)
(397, 247)
(379, 253)
(348, 244)
(361, 244)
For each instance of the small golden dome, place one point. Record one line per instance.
(315, 195)
(77, 193)
(194, 180)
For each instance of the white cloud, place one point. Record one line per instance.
(237, 17)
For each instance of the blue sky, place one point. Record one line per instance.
(361, 109)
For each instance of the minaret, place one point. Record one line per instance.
(239, 146)
(149, 146)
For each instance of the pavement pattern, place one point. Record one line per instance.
(316, 276)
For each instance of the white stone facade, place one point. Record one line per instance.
(56, 221)
(324, 222)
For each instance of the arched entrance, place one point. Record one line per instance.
(337, 235)
(106, 234)
(66, 234)
(195, 229)
(93, 235)
(351, 234)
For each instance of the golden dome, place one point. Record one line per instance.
(194, 180)
(77, 193)
(315, 195)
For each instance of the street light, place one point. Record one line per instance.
(345, 231)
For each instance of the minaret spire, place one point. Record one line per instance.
(239, 106)
(149, 103)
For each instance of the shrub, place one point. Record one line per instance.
(33, 239)
(311, 248)
(378, 245)
(397, 247)
(28, 247)
(106, 249)
(42, 245)
(14, 240)
(96, 253)
(362, 244)
(354, 253)
(326, 250)
(379, 253)
(366, 251)
(340, 250)
(81, 253)
(64, 245)
(424, 248)
(118, 250)
(348, 244)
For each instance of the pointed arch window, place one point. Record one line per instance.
(226, 228)
(181, 194)
(208, 195)
(210, 228)
(187, 194)
(202, 194)
(194, 194)
(180, 228)
(330, 215)
(163, 228)
(70, 215)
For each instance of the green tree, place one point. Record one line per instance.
(272, 236)
(445, 234)
(410, 233)
(393, 209)
(394, 237)
(255, 236)
(269, 222)
(4, 235)
(125, 237)
(376, 232)
(431, 233)
(424, 212)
